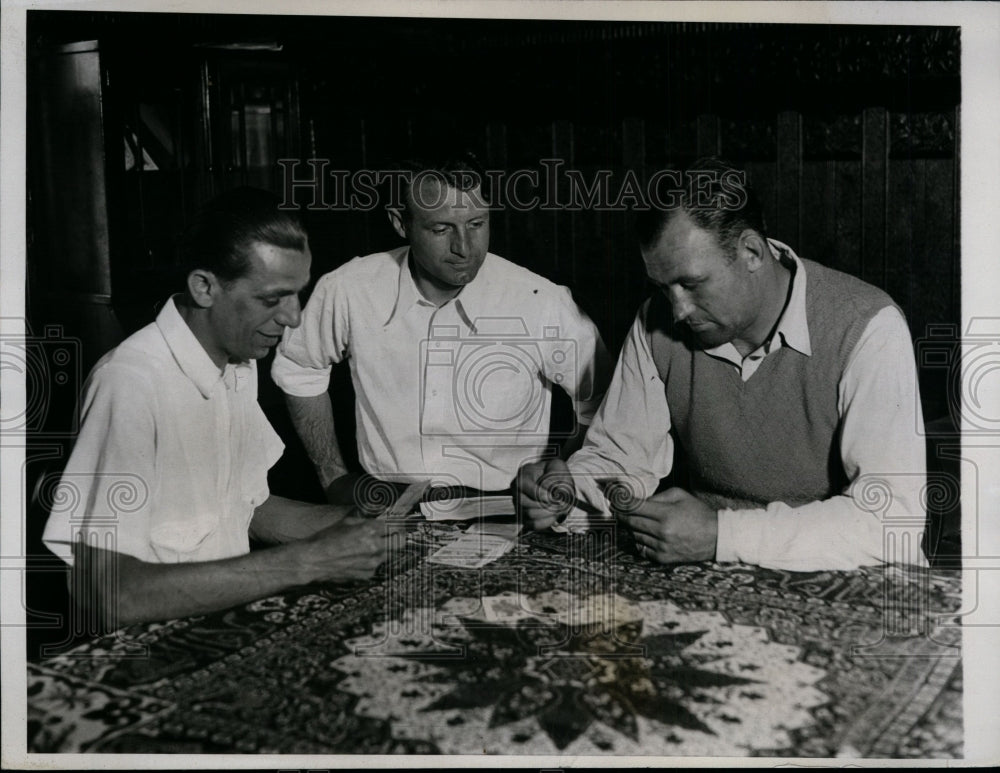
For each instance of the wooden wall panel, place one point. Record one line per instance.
(873, 195)
(817, 240)
(850, 133)
(849, 242)
(789, 174)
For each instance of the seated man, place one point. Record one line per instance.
(168, 476)
(787, 390)
(453, 350)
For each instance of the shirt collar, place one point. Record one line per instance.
(467, 301)
(793, 327)
(191, 356)
(407, 294)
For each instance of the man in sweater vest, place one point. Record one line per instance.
(779, 395)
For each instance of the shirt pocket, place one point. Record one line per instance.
(499, 388)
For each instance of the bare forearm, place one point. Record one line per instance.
(313, 421)
(124, 590)
(279, 520)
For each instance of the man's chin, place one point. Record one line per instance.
(708, 338)
(462, 278)
(259, 353)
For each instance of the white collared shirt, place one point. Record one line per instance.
(881, 447)
(172, 456)
(458, 393)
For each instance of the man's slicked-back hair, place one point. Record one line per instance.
(717, 196)
(461, 171)
(219, 237)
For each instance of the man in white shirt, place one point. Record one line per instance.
(168, 477)
(788, 390)
(453, 350)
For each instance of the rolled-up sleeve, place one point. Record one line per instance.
(306, 354)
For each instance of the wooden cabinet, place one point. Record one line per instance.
(124, 148)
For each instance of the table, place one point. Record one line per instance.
(569, 644)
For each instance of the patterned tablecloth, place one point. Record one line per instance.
(568, 644)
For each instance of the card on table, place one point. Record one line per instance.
(471, 551)
(505, 530)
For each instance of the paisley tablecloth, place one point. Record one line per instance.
(569, 644)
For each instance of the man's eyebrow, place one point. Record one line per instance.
(277, 292)
(679, 280)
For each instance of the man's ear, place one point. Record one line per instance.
(398, 222)
(203, 287)
(752, 249)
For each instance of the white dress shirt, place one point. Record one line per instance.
(877, 519)
(172, 456)
(458, 393)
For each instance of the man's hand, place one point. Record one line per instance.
(673, 526)
(366, 492)
(350, 550)
(544, 492)
(340, 491)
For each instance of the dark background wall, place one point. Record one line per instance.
(850, 133)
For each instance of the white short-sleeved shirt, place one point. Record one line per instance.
(172, 455)
(458, 393)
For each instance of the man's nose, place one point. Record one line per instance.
(680, 305)
(289, 312)
(461, 243)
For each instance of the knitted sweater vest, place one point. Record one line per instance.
(773, 438)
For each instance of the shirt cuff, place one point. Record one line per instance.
(298, 381)
(737, 540)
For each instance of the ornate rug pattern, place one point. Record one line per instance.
(569, 644)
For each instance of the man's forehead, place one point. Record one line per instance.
(431, 195)
(681, 243)
(273, 265)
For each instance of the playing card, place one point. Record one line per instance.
(471, 551)
(505, 530)
(464, 509)
(506, 608)
(590, 496)
(406, 500)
